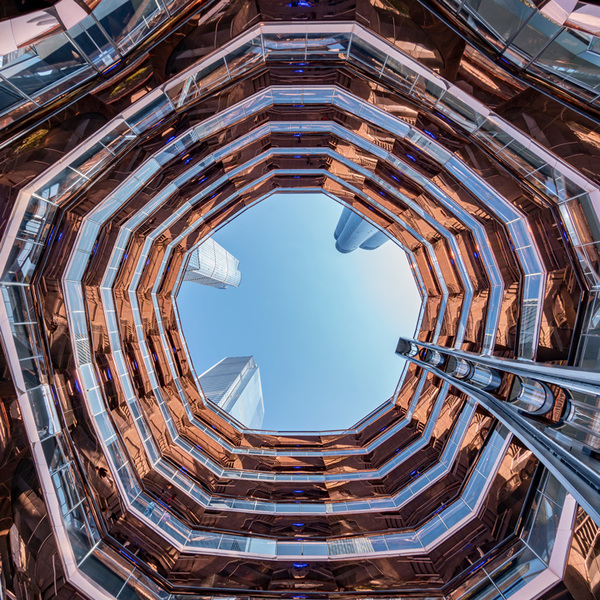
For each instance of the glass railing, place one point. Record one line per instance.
(533, 281)
(527, 254)
(182, 145)
(564, 57)
(529, 557)
(49, 59)
(91, 386)
(150, 239)
(118, 254)
(179, 534)
(30, 230)
(549, 175)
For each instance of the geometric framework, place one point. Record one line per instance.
(148, 488)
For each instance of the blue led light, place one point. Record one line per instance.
(411, 157)
(477, 565)
(50, 236)
(429, 134)
(442, 116)
(437, 510)
(298, 491)
(298, 524)
(300, 565)
(111, 68)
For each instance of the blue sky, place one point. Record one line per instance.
(321, 325)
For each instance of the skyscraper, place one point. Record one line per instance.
(468, 131)
(234, 385)
(352, 232)
(210, 264)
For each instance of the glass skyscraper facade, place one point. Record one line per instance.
(234, 385)
(352, 232)
(210, 264)
(467, 131)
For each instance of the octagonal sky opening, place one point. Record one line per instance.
(322, 326)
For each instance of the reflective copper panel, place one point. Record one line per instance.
(468, 132)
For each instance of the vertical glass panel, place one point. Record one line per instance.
(127, 21)
(569, 58)
(242, 58)
(285, 46)
(332, 46)
(535, 35)
(427, 90)
(367, 55)
(149, 114)
(543, 533)
(460, 111)
(504, 17)
(100, 573)
(402, 75)
(40, 411)
(92, 41)
(522, 158)
(514, 574)
(33, 372)
(44, 64)
(9, 97)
